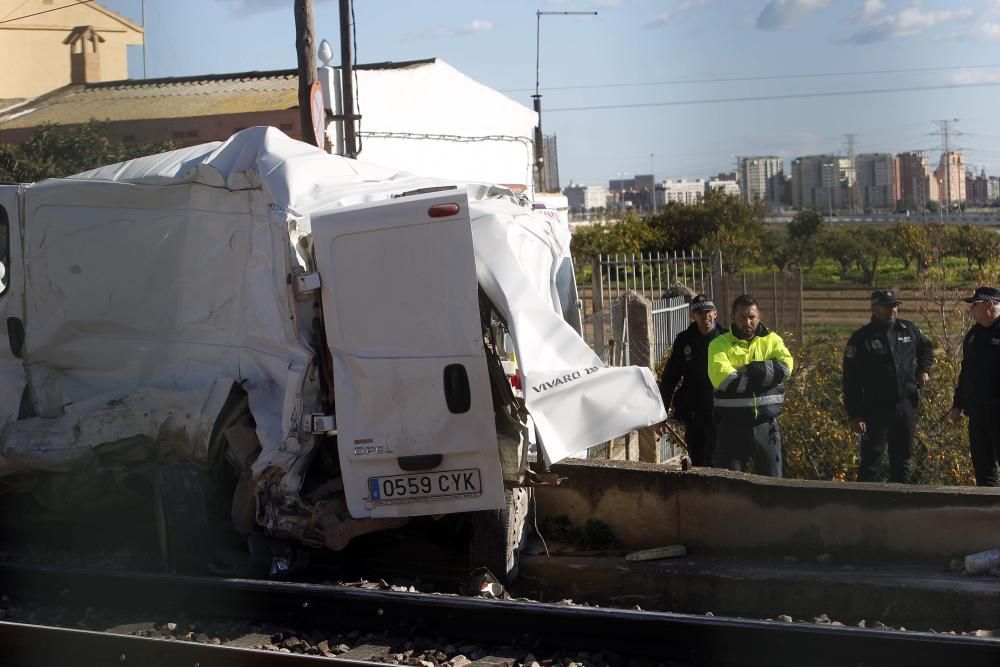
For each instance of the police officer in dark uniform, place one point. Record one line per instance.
(688, 366)
(978, 391)
(886, 363)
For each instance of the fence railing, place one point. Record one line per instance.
(652, 275)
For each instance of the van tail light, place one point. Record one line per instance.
(515, 380)
(443, 210)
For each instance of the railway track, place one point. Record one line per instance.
(385, 625)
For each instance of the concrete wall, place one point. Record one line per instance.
(718, 512)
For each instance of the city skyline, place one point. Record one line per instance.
(671, 87)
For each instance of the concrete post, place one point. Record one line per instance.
(640, 336)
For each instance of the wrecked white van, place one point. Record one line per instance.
(319, 340)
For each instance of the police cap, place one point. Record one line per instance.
(702, 304)
(884, 297)
(984, 294)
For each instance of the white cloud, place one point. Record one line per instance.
(443, 31)
(974, 76)
(909, 22)
(989, 30)
(780, 14)
(663, 18)
(868, 10)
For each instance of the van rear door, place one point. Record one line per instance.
(12, 378)
(416, 431)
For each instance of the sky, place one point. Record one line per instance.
(677, 88)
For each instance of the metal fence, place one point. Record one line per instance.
(670, 317)
(653, 275)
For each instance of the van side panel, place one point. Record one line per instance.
(12, 378)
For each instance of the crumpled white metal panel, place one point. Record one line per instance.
(167, 310)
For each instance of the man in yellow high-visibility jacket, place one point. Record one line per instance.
(748, 366)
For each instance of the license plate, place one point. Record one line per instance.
(425, 486)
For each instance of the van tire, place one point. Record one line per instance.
(498, 535)
(181, 518)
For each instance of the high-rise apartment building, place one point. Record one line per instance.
(725, 183)
(876, 174)
(950, 176)
(917, 185)
(822, 182)
(762, 178)
(682, 191)
(977, 188)
(581, 198)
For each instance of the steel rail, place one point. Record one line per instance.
(24, 645)
(675, 637)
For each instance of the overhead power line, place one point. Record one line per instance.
(763, 77)
(46, 11)
(788, 96)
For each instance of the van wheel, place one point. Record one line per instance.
(181, 519)
(498, 535)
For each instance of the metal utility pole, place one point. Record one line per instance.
(142, 19)
(537, 97)
(945, 132)
(347, 79)
(852, 183)
(306, 52)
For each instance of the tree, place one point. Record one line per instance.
(871, 249)
(55, 151)
(976, 244)
(805, 234)
(911, 244)
(628, 235)
(840, 244)
(735, 229)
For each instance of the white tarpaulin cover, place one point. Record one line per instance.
(575, 400)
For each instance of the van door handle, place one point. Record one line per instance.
(15, 336)
(456, 388)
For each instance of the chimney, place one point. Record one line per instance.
(84, 61)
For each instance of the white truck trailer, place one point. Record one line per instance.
(325, 344)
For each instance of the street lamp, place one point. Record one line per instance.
(537, 97)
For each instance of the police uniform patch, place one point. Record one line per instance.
(850, 352)
(905, 339)
(877, 345)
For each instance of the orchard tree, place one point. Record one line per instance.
(978, 245)
(805, 235)
(841, 245)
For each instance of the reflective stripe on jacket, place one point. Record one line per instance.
(757, 390)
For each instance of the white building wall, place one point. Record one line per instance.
(428, 118)
(681, 191)
(727, 187)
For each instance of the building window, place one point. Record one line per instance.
(177, 134)
(128, 138)
(191, 133)
(286, 127)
